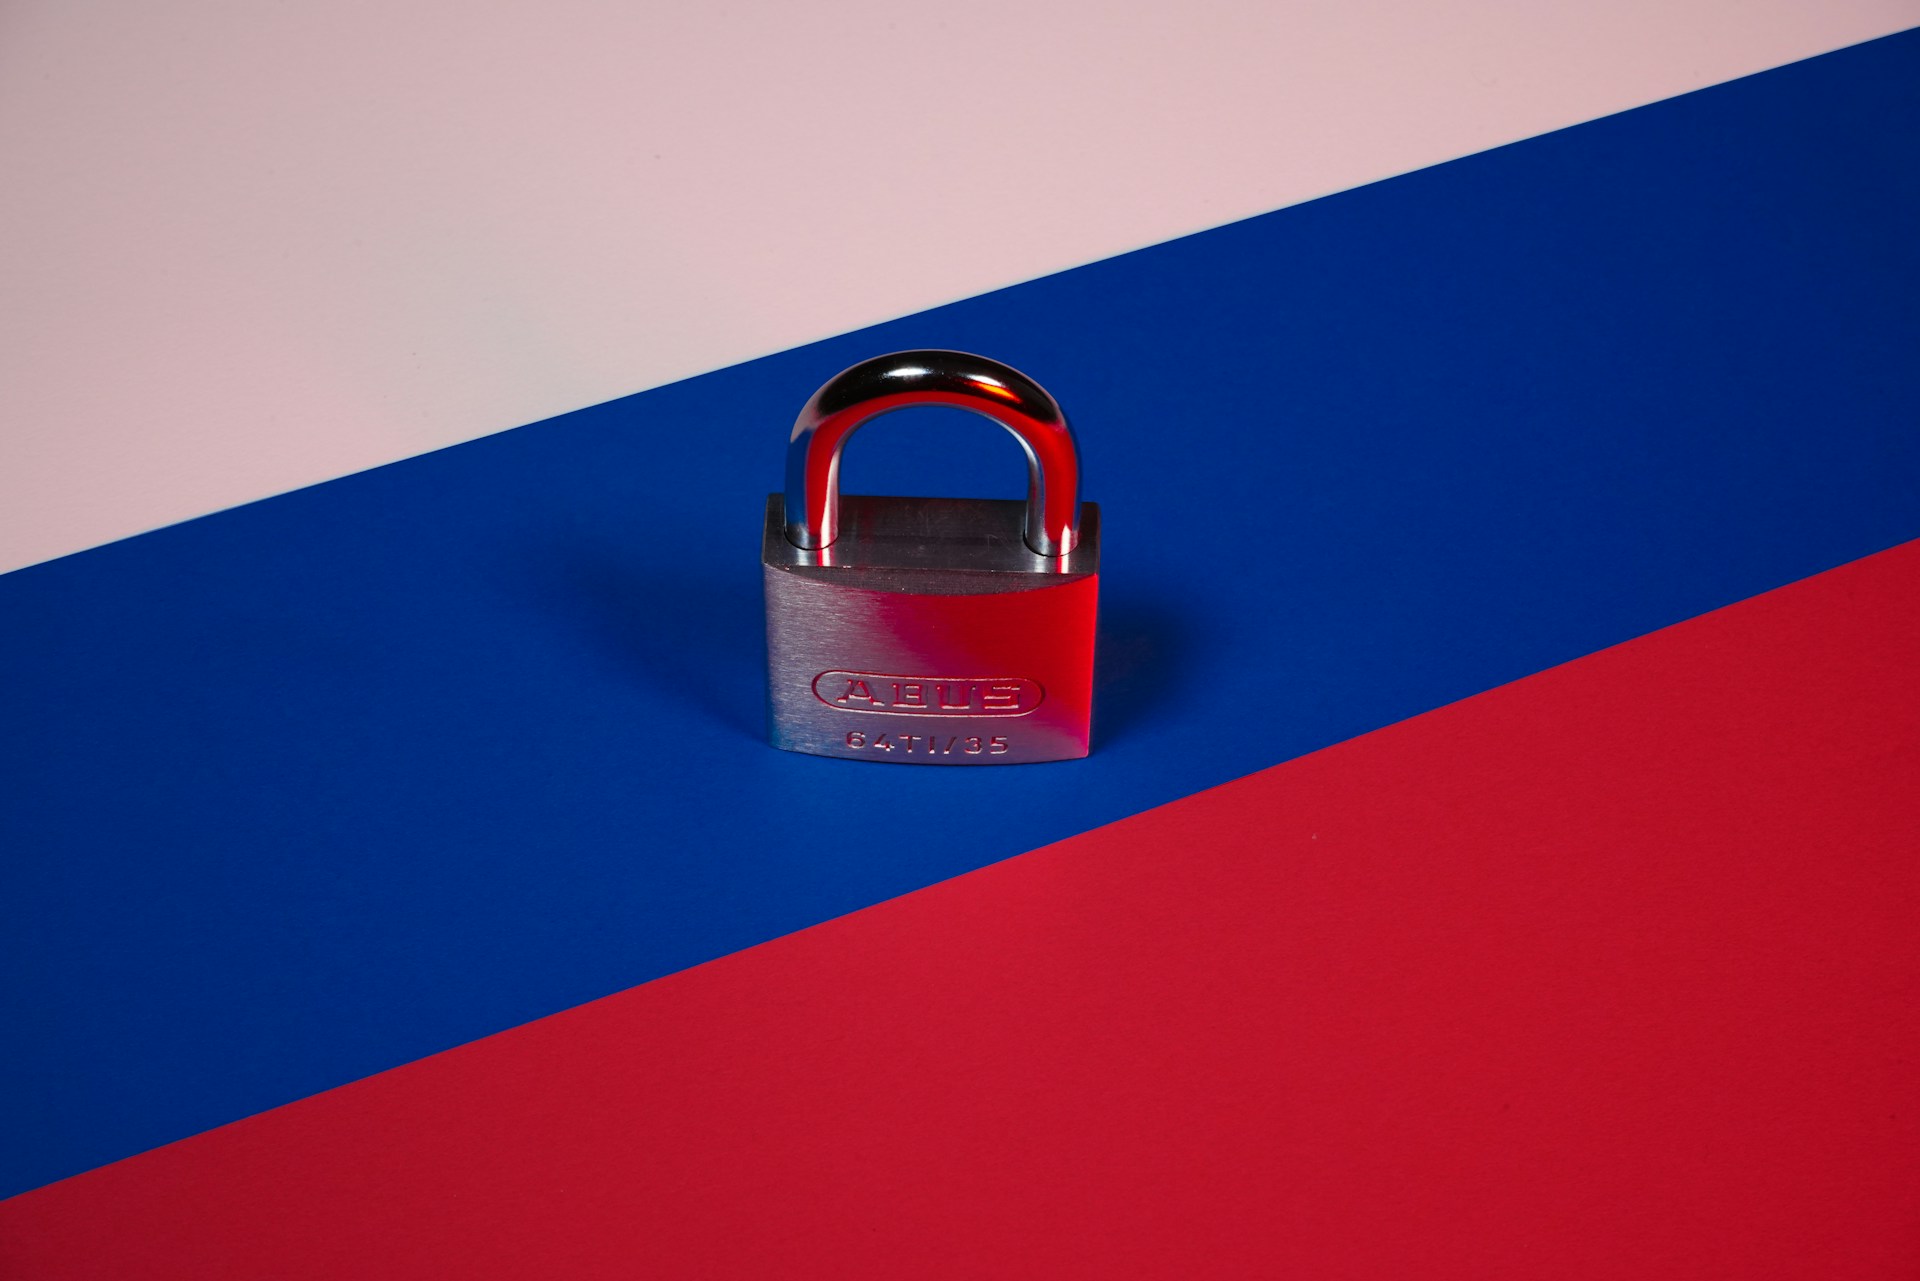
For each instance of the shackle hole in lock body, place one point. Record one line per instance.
(901, 380)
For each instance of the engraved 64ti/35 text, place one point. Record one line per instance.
(930, 744)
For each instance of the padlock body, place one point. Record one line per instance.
(928, 634)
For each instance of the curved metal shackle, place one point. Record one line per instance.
(856, 396)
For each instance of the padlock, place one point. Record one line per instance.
(931, 631)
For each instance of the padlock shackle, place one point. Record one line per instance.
(857, 396)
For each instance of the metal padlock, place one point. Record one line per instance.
(931, 631)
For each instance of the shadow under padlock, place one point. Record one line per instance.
(1141, 644)
(656, 625)
(925, 630)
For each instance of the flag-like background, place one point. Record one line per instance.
(1498, 855)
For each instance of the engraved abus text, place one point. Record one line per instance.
(928, 695)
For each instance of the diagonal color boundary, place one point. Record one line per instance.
(311, 788)
(1604, 973)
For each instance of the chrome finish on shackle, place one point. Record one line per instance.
(856, 396)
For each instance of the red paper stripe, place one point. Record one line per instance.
(1608, 973)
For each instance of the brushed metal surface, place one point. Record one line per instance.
(939, 545)
(930, 634)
